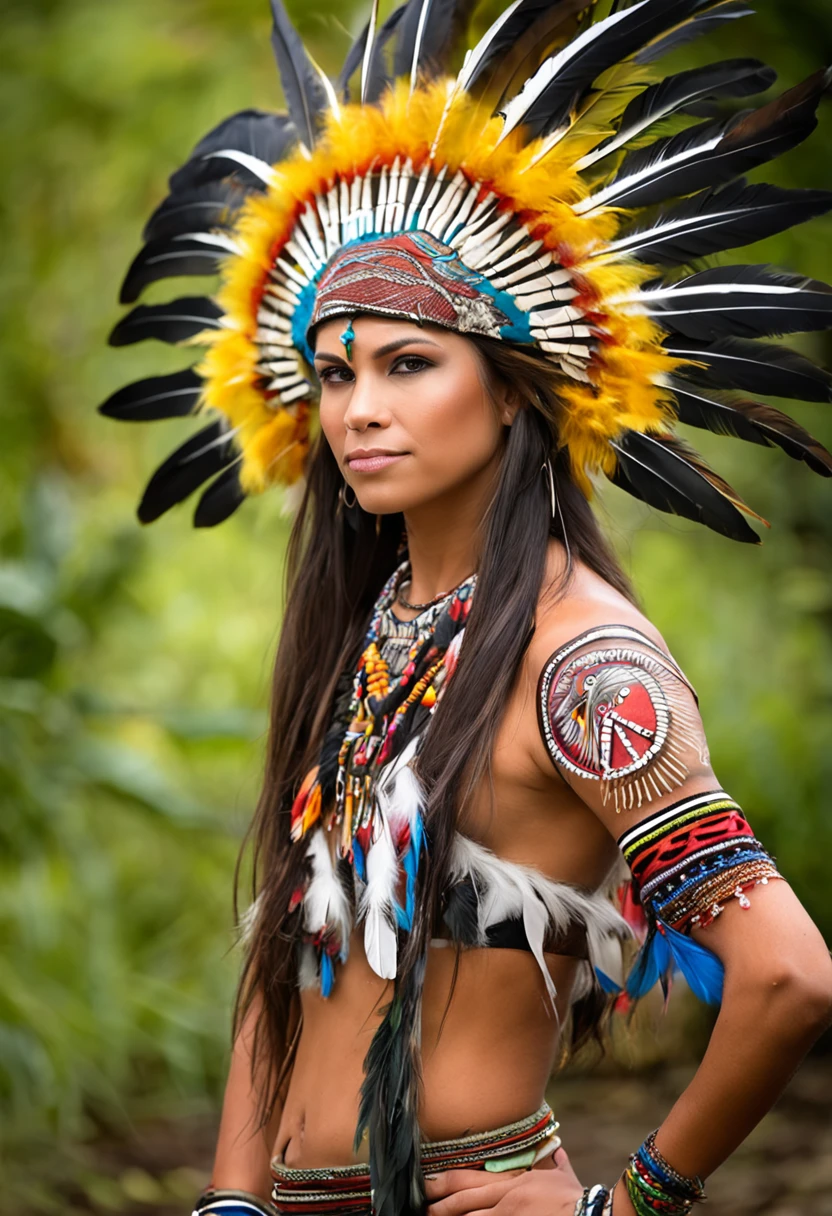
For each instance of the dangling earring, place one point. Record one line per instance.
(555, 507)
(342, 497)
(549, 473)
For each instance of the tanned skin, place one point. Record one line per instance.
(420, 394)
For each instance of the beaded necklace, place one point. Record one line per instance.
(363, 787)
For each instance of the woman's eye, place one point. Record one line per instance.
(335, 375)
(409, 364)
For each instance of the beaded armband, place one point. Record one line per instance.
(217, 1202)
(687, 861)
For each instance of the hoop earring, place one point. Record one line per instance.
(342, 497)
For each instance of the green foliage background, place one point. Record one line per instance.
(134, 664)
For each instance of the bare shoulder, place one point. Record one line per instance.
(617, 716)
(588, 602)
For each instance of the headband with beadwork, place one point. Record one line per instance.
(556, 194)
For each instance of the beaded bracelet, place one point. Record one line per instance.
(654, 1186)
(216, 1202)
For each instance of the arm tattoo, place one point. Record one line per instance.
(615, 708)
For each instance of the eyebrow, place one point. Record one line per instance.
(388, 349)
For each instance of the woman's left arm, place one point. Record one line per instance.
(777, 1000)
(622, 725)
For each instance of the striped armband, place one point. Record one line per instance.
(690, 858)
(687, 861)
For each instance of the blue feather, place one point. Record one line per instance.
(411, 867)
(701, 968)
(608, 985)
(668, 951)
(327, 974)
(359, 863)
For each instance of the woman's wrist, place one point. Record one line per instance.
(653, 1186)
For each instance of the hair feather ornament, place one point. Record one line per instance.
(523, 192)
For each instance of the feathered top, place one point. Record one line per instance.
(556, 193)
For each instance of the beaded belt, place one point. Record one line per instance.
(346, 1188)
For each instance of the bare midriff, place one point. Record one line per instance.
(489, 1066)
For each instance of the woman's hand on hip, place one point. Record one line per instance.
(550, 1189)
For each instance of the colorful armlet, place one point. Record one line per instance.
(687, 861)
(217, 1202)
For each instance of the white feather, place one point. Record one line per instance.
(376, 903)
(509, 890)
(462, 215)
(417, 196)
(308, 966)
(325, 902)
(248, 921)
(399, 794)
(417, 46)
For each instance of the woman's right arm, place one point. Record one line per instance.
(244, 1148)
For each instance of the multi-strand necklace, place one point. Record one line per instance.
(399, 678)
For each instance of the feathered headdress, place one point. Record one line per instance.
(556, 194)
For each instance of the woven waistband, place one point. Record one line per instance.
(346, 1188)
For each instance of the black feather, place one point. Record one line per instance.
(461, 914)
(727, 78)
(667, 475)
(388, 1107)
(379, 73)
(266, 136)
(213, 205)
(752, 421)
(220, 500)
(753, 367)
(303, 88)
(442, 24)
(259, 133)
(169, 259)
(174, 322)
(693, 27)
(352, 62)
(633, 29)
(203, 456)
(715, 220)
(172, 396)
(746, 141)
(746, 310)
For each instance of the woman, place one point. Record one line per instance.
(472, 722)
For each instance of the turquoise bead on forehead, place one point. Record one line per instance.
(347, 337)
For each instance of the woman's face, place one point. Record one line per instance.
(408, 418)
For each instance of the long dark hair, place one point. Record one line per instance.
(338, 560)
